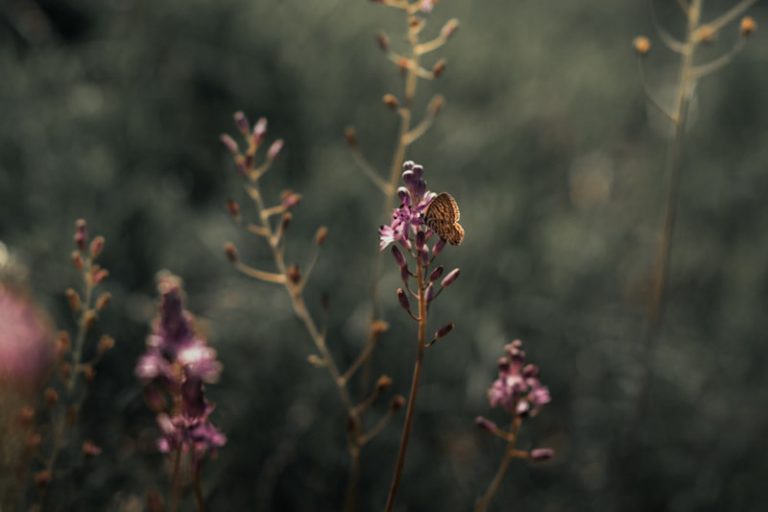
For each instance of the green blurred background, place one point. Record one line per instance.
(110, 110)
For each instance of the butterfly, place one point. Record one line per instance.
(442, 217)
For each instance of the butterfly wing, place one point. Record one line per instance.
(442, 217)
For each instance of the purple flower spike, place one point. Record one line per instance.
(518, 388)
(180, 361)
(408, 220)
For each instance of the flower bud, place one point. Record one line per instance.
(397, 403)
(77, 260)
(420, 240)
(289, 198)
(99, 275)
(429, 293)
(540, 454)
(231, 251)
(26, 416)
(438, 248)
(405, 274)
(403, 299)
(33, 440)
(88, 372)
(62, 343)
(275, 149)
(486, 424)
(285, 221)
(383, 41)
(439, 68)
(379, 327)
(103, 301)
(81, 234)
(443, 331)
(747, 26)
(97, 245)
(321, 235)
(293, 273)
(350, 134)
(73, 299)
(384, 383)
(65, 370)
(90, 449)
(242, 123)
(42, 478)
(452, 276)
(106, 343)
(233, 207)
(259, 131)
(390, 101)
(229, 143)
(642, 45)
(89, 319)
(315, 360)
(436, 104)
(399, 258)
(436, 273)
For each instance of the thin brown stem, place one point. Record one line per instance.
(199, 498)
(176, 482)
(350, 500)
(409, 412)
(509, 454)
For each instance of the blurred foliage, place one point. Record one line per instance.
(111, 112)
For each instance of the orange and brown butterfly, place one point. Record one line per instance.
(442, 217)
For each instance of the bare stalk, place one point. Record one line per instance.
(411, 406)
(509, 454)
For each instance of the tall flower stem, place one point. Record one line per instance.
(199, 499)
(411, 405)
(509, 454)
(176, 482)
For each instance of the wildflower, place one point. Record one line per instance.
(408, 219)
(518, 388)
(180, 360)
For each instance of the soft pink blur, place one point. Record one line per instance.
(25, 340)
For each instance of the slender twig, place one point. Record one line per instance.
(411, 404)
(176, 482)
(730, 15)
(199, 498)
(649, 95)
(509, 454)
(720, 62)
(672, 43)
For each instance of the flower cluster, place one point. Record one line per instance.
(519, 391)
(518, 388)
(179, 360)
(408, 219)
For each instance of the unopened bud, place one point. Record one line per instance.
(77, 260)
(486, 424)
(315, 360)
(390, 101)
(106, 343)
(289, 198)
(90, 449)
(97, 245)
(397, 403)
(438, 248)
(439, 68)
(231, 251)
(405, 274)
(398, 255)
(81, 234)
(51, 397)
(449, 28)
(436, 273)
(99, 275)
(275, 149)
(229, 143)
(293, 273)
(242, 123)
(259, 131)
(379, 327)
(321, 235)
(403, 299)
(706, 34)
(540, 454)
(73, 299)
(103, 301)
(65, 370)
(88, 372)
(443, 331)
(384, 383)
(642, 45)
(62, 343)
(429, 293)
(350, 134)
(452, 276)
(747, 26)
(233, 207)
(89, 319)
(383, 41)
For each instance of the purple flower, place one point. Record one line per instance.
(181, 361)
(518, 388)
(408, 219)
